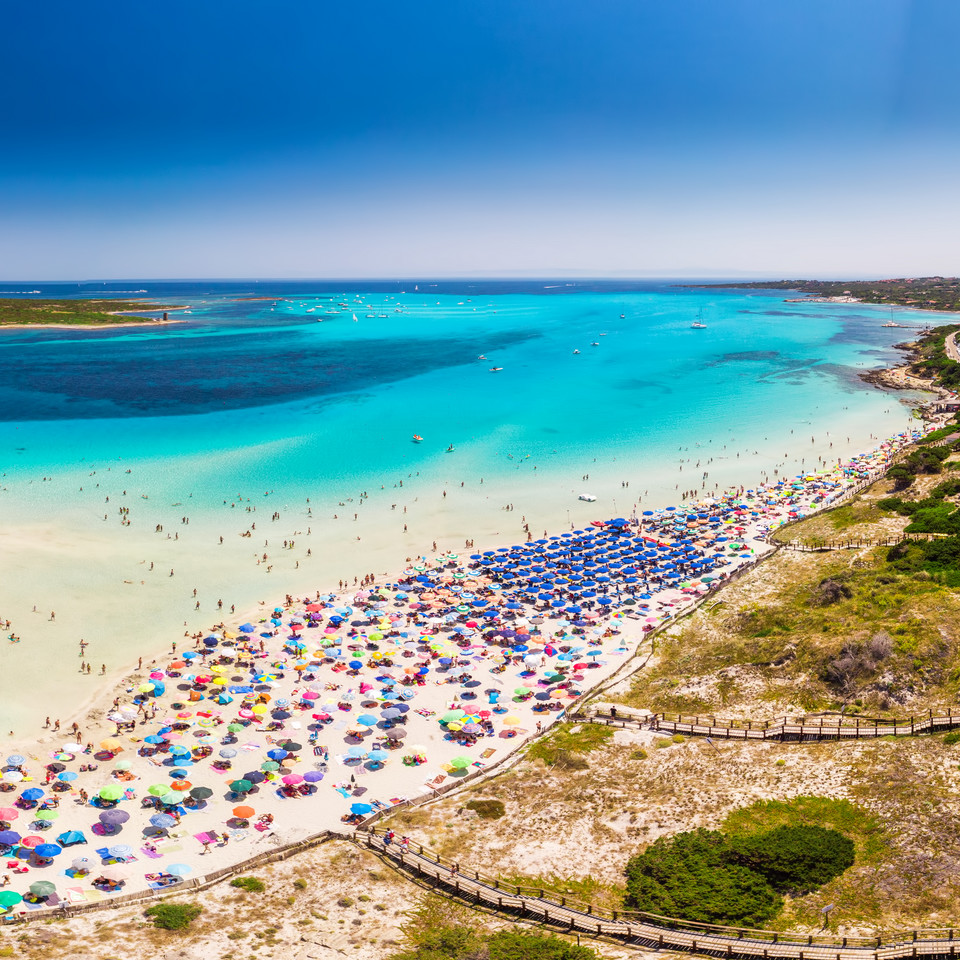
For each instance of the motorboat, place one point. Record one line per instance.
(588, 497)
(417, 438)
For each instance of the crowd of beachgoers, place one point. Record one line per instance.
(332, 707)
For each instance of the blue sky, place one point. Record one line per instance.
(302, 138)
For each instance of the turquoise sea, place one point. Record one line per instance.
(319, 389)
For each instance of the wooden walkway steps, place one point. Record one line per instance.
(649, 930)
(784, 729)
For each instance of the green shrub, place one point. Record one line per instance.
(300, 883)
(951, 738)
(250, 884)
(690, 877)
(564, 747)
(488, 809)
(794, 859)
(521, 945)
(174, 916)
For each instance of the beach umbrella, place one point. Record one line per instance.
(81, 864)
(66, 777)
(313, 776)
(111, 745)
(367, 720)
(241, 786)
(31, 842)
(460, 763)
(12, 776)
(398, 733)
(34, 793)
(9, 813)
(292, 779)
(201, 793)
(70, 837)
(360, 808)
(291, 747)
(9, 898)
(255, 776)
(120, 850)
(171, 799)
(162, 820)
(47, 850)
(43, 888)
(9, 837)
(277, 754)
(15, 760)
(243, 812)
(269, 766)
(110, 792)
(114, 818)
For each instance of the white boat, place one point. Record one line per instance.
(698, 324)
(589, 497)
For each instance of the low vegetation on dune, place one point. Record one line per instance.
(871, 630)
(572, 833)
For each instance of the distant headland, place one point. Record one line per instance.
(80, 313)
(920, 293)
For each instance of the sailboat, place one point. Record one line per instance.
(698, 324)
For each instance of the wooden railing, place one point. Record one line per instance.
(648, 929)
(788, 729)
(856, 543)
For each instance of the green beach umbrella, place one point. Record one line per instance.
(171, 799)
(234, 727)
(201, 793)
(47, 814)
(241, 786)
(452, 716)
(9, 898)
(461, 763)
(268, 766)
(110, 792)
(123, 765)
(43, 888)
(158, 789)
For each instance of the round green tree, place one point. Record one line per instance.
(794, 859)
(691, 876)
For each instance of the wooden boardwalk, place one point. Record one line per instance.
(786, 729)
(649, 930)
